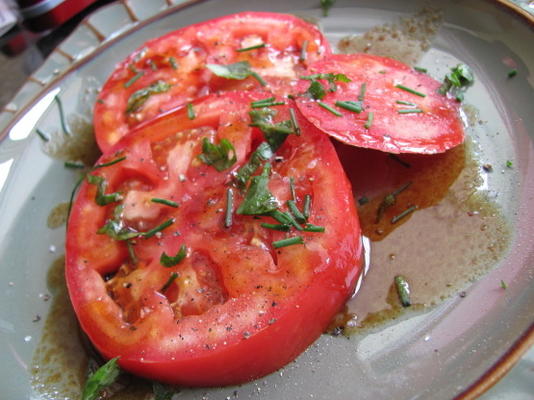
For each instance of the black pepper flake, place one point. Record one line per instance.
(133, 328)
(246, 335)
(487, 168)
(37, 318)
(462, 294)
(273, 304)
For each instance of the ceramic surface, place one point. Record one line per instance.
(398, 361)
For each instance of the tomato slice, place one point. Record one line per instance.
(238, 307)
(169, 71)
(393, 118)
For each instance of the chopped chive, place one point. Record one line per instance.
(504, 285)
(389, 200)
(406, 103)
(276, 227)
(62, 119)
(420, 69)
(166, 202)
(169, 282)
(509, 164)
(292, 188)
(257, 46)
(403, 214)
(190, 111)
(131, 252)
(173, 63)
(304, 51)
(256, 76)
(73, 193)
(313, 228)
(260, 103)
(42, 135)
(74, 165)
(133, 79)
(159, 228)
(117, 160)
(369, 122)
(403, 290)
(328, 108)
(288, 242)
(100, 101)
(512, 73)
(410, 111)
(229, 208)
(354, 106)
(307, 206)
(363, 89)
(399, 160)
(294, 122)
(285, 218)
(295, 211)
(409, 90)
(170, 261)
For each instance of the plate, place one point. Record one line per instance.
(455, 349)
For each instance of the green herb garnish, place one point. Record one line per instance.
(221, 156)
(512, 73)
(138, 98)
(288, 242)
(370, 118)
(258, 199)
(115, 228)
(159, 228)
(276, 227)
(313, 228)
(133, 79)
(173, 63)
(109, 163)
(262, 153)
(285, 219)
(396, 158)
(274, 133)
(239, 70)
(162, 391)
(457, 81)
(101, 197)
(294, 122)
(307, 206)
(363, 89)
(257, 46)
(330, 109)
(171, 261)
(316, 90)
(420, 69)
(42, 135)
(326, 5)
(389, 200)
(354, 106)
(330, 77)
(406, 103)
(410, 90)
(504, 285)
(74, 165)
(62, 119)
(104, 376)
(403, 290)
(169, 282)
(509, 164)
(190, 111)
(410, 111)
(295, 211)
(403, 214)
(166, 202)
(269, 102)
(229, 208)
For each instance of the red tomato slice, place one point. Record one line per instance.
(395, 127)
(238, 308)
(179, 59)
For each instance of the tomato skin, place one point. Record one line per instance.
(435, 130)
(214, 41)
(275, 302)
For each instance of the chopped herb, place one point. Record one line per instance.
(307, 206)
(138, 98)
(169, 282)
(410, 90)
(504, 285)
(406, 103)
(276, 227)
(326, 5)
(166, 202)
(73, 193)
(258, 199)
(330, 77)
(330, 109)
(162, 391)
(457, 81)
(159, 228)
(294, 122)
(512, 73)
(420, 69)
(363, 89)
(403, 214)
(410, 111)
(190, 111)
(269, 102)
(221, 156)
(354, 106)
(100, 101)
(115, 228)
(62, 118)
(131, 252)
(285, 218)
(101, 197)
(403, 290)
(275, 134)
(313, 228)
(295, 211)
(133, 79)
(112, 162)
(173, 63)
(262, 153)
(74, 165)
(42, 135)
(316, 90)
(239, 70)
(389, 200)
(288, 242)
(292, 188)
(363, 200)
(169, 261)
(369, 122)
(257, 46)
(229, 208)
(509, 164)
(399, 160)
(304, 51)
(104, 376)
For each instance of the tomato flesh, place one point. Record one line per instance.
(393, 127)
(180, 57)
(238, 308)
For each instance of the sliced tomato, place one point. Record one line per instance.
(170, 71)
(393, 118)
(238, 307)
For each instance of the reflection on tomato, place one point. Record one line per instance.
(238, 308)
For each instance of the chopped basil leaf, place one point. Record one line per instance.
(171, 261)
(457, 81)
(330, 77)
(262, 153)
(258, 199)
(138, 98)
(326, 5)
(512, 73)
(275, 133)
(221, 156)
(101, 197)
(239, 70)
(115, 228)
(316, 90)
(104, 376)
